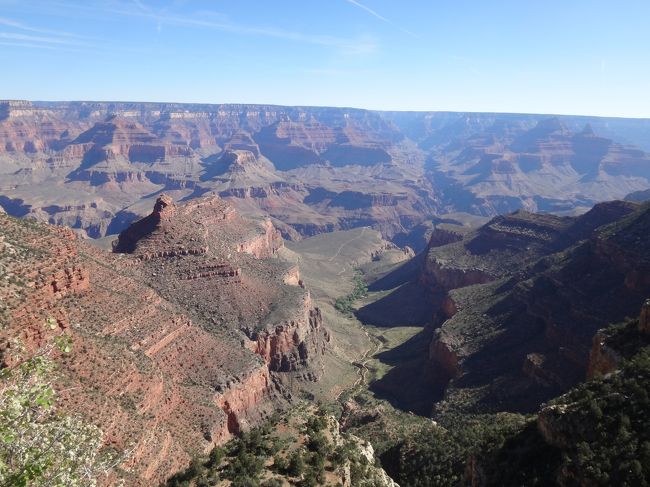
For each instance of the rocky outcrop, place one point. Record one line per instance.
(239, 401)
(141, 235)
(448, 307)
(602, 358)
(263, 245)
(456, 261)
(637, 273)
(69, 281)
(163, 210)
(275, 189)
(381, 478)
(443, 360)
(605, 355)
(442, 236)
(440, 276)
(15, 108)
(242, 141)
(549, 425)
(120, 137)
(644, 318)
(296, 344)
(536, 368)
(292, 276)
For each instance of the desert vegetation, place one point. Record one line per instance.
(40, 446)
(345, 304)
(302, 447)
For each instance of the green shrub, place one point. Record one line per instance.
(38, 445)
(346, 304)
(296, 465)
(280, 464)
(215, 457)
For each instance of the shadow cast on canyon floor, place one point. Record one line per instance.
(404, 273)
(407, 386)
(408, 305)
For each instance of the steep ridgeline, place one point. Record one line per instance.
(183, 336)
(521, 298)
(312, 169)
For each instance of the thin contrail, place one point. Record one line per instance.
(379, 16)
(370, 11)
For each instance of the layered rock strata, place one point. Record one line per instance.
(181, 336)
(312, 169)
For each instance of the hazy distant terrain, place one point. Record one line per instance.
(97, 166)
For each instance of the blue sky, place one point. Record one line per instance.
(587, 57)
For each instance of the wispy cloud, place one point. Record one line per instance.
(30, 38)
(28, 45)
(29, 28)
(48, 47)
(21, 35)
(359, 45)
(379, 16)
(113, 9)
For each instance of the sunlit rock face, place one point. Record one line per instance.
(183, 335)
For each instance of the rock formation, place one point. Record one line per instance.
(606, 355)
(644, 318)
(184, 336)
(602, 358)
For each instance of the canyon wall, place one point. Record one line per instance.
(296, 344)
(161, 357)
(520, 299)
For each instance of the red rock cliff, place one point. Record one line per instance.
(295, 344)
(158, 361)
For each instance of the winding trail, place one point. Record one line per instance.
(338, 251)
(362, 368)
(370, 353)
